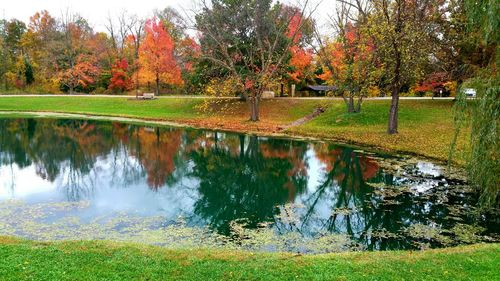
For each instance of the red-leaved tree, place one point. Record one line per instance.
(120, 80)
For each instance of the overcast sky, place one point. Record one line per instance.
(96, 11)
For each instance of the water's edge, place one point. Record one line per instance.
(164, 123)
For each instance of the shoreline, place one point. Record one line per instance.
(188, 125)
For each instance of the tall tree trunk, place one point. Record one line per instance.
(360, 102)
(157, 84)
(393, 112)
(137, 83)
(254, 106)
(350, 105)
(396, 83)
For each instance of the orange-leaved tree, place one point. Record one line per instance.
(82, 74)
(349, 64)
(156, 56)
(300, 64)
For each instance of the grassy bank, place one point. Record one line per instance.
(97, 260)
(426, 126)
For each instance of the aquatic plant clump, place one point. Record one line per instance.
(54, 221)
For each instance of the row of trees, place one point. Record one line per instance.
(370, 47)
(65, 54)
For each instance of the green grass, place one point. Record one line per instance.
(161, 109)
(154, 109)
(425, 126)
(98, 260)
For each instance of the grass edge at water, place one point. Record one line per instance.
(104, 260)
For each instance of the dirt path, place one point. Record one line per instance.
(94, 117)
(318, 111)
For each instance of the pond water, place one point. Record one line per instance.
(75, 179)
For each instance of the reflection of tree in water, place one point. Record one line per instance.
(342, 186)
(14, 142)
(355, 208)
(157, 151)
(56, 147)
(70, 149)
(372, 217)
(249, 184)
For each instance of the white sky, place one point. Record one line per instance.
(96, 11)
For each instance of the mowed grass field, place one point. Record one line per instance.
(100, 260)
(425, 126)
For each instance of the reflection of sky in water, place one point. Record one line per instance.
(25, 184)
(427, 168)
(103, 188)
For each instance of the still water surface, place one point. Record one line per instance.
(75, 179)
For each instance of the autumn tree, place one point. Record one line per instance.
(346, 54)
(126, 32)
(349, 64)
(40, 44)
(120, 79)
(247, 41)
(399, 29)
(120, 28)
(173, 22)
(82, 74)
(300, 66)
(156, 56)
(14, 60)
(187, 50)
(76, 64)
(135, 39)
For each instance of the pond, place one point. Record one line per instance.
(81, 179)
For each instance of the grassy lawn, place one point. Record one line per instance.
(97, 260)
(425, 126)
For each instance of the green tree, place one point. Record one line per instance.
(28, 71)
(482, 115)
(14, 32)
(247, 40)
